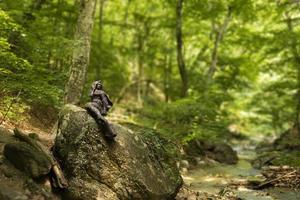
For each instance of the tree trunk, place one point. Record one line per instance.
(101, 13)
(123, 30)
(296, 56)
(180, 58)
(140, 67)
(81, 52)
(167, 74)
(218, 40)
(142, 35)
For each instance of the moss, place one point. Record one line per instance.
(278, 158)
(288, 158)
(27, 159)
(155, 139)
(134, 166)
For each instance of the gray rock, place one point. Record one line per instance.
(223, 153)
(264, 160)
(27, 159)
(15, 184)
(218, 151)
(134, 166)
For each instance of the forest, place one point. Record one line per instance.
(211, 85)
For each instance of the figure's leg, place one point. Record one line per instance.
(108, 130)
(101, 121)
(94, 112)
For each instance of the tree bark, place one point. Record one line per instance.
(123, 30)
(81, 52)
(180, 57)
(140, 67)
(101, 25)
(167, 74)
(218, 39)
(142, 36)
(296, 56)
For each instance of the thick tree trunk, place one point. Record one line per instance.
(218, 39)
(81, 52)
(101, 25)
(180, 58)
(296, 56)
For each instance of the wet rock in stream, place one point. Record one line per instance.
(218, 151)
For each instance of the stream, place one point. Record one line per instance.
(214, 178)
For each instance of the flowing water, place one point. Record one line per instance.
(214, 178)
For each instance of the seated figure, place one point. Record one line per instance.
(98, 108)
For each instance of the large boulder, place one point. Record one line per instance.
(136, 165)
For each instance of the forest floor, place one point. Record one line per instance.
(45, 133)
(213, 179)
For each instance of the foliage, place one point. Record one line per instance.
(255, 87)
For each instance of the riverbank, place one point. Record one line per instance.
(230, 180)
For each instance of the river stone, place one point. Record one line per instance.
(215, 150)
(134, 166)
(223, 153)
(27, 159)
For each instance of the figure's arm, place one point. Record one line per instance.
(107, 104)
(103, 99)
(91, 93)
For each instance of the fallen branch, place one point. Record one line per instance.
(278, 176)
(275, 179)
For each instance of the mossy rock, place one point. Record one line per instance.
(288, 158)
(264, 159)
(215, 150)
(27, 159)
(136, 165)
(277, 158)
(290, 140)
(17, 168)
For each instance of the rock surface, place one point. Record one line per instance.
(137, 165)
(27, 159)
(15, 184)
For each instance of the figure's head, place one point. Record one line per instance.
(97, 85)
